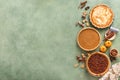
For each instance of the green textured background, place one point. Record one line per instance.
(38, 39)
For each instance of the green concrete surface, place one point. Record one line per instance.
(38, 39)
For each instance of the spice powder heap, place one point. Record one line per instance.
(97, 63)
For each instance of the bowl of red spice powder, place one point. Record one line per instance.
(98, 64)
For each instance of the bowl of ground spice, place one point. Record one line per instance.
(98, 64)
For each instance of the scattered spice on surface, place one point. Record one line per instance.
(97, 63)
(87, 24)
(76, 65)
(79, 24)
(88, 54)
(81, 59)
(84, 21)
(82, 4)
(86, 8)
(84, 14)
(83, 56)
(82, 66)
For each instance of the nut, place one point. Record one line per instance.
(84, 15)
(84, 21)
(82, 66)
(83, 56)
(79, 59)
(87, 24)
(76, 65)
(113, 53)
(88, 54)
(80, 24)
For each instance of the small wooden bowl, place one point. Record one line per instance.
(88, 39)
(99, 62)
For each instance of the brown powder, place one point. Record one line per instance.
(97, 63)
(89, 38)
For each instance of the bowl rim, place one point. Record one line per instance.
(83, 47)
(90, 17)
